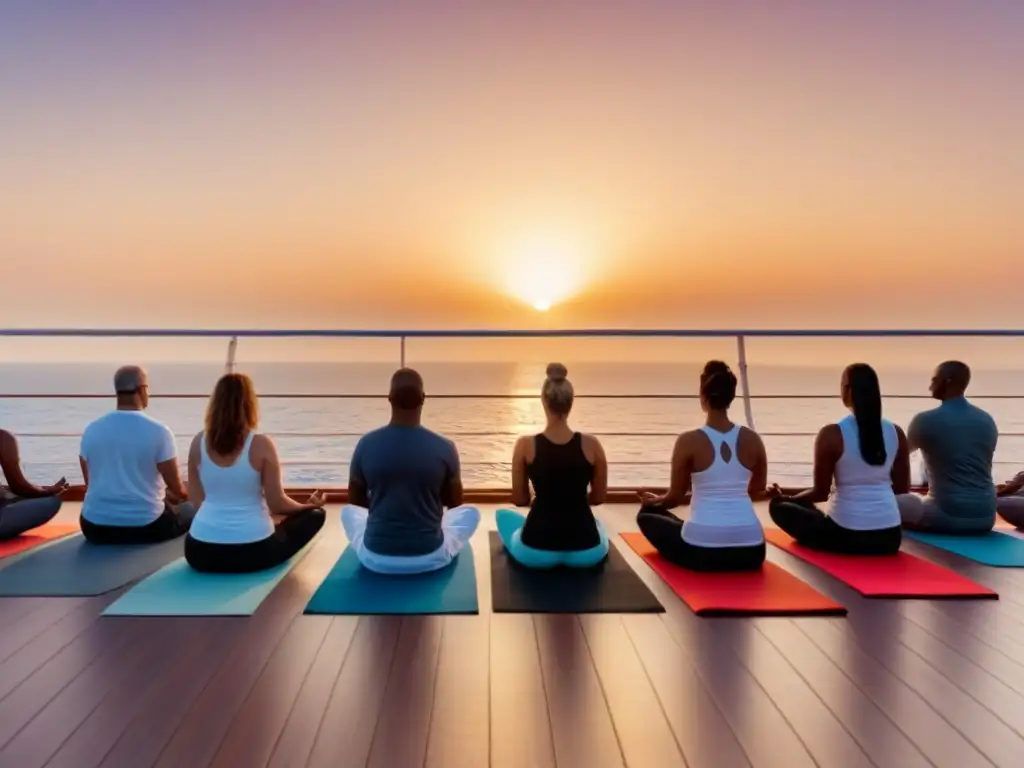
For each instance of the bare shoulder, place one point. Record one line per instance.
(750, 437)
(591, 445)
(262, 445)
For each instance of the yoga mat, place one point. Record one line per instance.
(768, 592)
(177, 590)
(351, 589)
(75, 568)
(611, 587)
(1003, 550)
(35, 537)
(899, 575)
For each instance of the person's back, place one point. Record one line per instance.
(405, 469)
(234, 510)
(122, 450)
(560, 517)
(721, 511)
(864, 499)
(958, 441)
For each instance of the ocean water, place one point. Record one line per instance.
(317, 411)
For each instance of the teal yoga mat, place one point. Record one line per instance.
(997, 549)
(350, 589)
(177, 590)
(72, 567)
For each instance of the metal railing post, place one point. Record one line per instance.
(741, 351)
(402, 352)
(229, 365)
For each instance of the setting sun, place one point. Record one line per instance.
(542, 306)
(544, 272)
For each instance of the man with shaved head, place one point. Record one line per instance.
(405, 512)
(133, 488)
(958, 441)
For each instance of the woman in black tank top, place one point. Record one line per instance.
(569, 473)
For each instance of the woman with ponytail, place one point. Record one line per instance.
(726, 467)
(869, 460)
(569, 474)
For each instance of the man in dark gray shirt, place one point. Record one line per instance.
(401, 480)
(958, 441)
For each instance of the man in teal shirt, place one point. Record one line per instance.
(958, 440)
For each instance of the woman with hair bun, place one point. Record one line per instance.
(726, 467)
(569, 473)
(869, 460)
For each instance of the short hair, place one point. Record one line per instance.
(128, 379)
(406, 389)
(958, 373)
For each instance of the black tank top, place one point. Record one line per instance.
(560, 517)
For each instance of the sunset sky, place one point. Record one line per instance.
(388, 164)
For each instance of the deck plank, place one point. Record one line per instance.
(194, 659)
(295, 741)
(520, 727)
(581, 723)
(22, 630)
(112, 676)
(260, 720)
(878, 736)
(400, 737)
(704, 736)
(347, 723)
(32, 695)
(944, 746)
(460, 728)
(644, 734)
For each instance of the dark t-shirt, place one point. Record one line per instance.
(405, 470)
(958, 441)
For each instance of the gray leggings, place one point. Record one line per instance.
(19, 515)
(923, 513)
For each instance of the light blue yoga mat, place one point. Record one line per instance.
(72, 567)
(994, 548)
(351, 589)
(177, 590)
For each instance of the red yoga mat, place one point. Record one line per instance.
(768, 592)
(35, 537)
(899, 575)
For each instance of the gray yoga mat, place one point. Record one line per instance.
(73, 567)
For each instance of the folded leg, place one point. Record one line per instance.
(1011, 508)
(21, 515)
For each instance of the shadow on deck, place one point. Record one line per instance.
(893, 685)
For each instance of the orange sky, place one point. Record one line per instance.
(647, 164)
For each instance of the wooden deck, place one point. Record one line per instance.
(893, 685)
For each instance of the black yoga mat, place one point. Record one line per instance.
(611, 587)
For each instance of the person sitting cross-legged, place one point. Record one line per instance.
(868, 458)
(569, 472)
(245, 521)
(133, 488)
(23, 505)
(405, 513)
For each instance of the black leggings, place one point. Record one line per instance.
(290, 535)
(665, 531)
(174, 522)
(816, 530)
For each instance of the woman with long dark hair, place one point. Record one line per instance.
(869, 460)
(234, 480)
(726, 467)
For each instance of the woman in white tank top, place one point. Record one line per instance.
(726, 467)
(235, 481)
(868, 458)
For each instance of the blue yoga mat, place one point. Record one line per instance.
(72, 567)
(351, 589)
(994, 548)
(177, 590)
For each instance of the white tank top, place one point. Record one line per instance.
(721, 512)
(234, 510)
(864, 499)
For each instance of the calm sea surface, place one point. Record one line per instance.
(483, 407)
